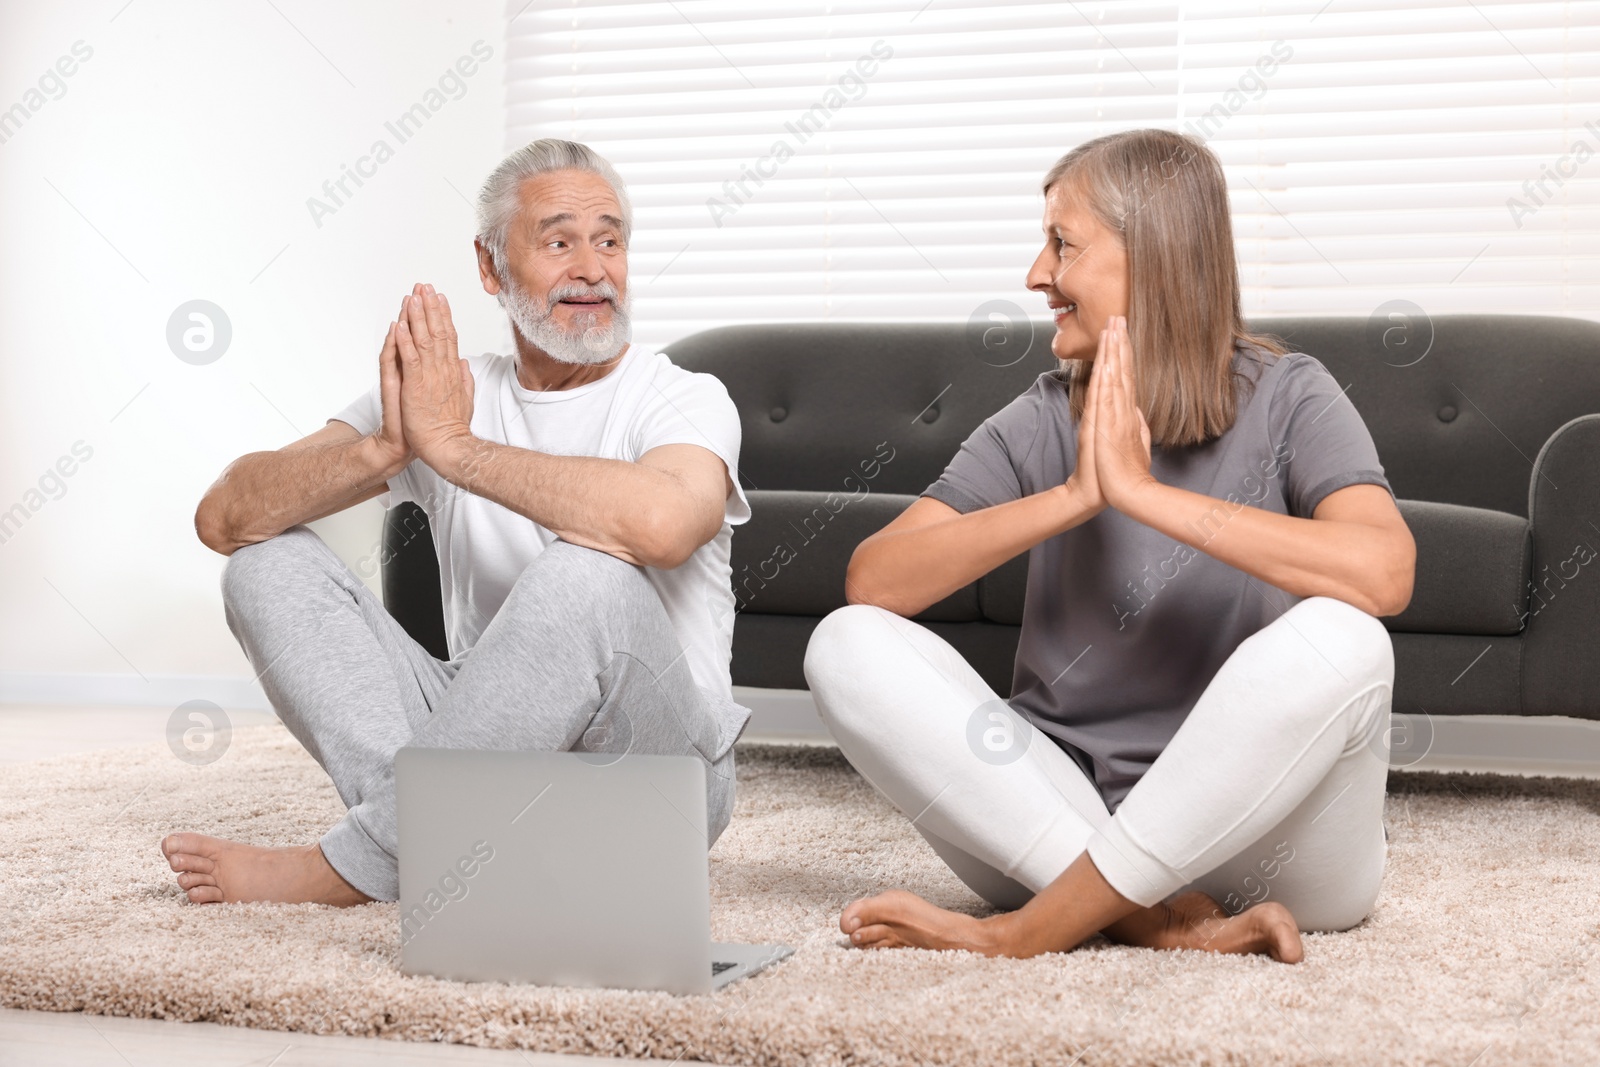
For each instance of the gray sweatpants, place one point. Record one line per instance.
(580, 657)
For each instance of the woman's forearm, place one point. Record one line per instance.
(906, 568)
(1362, 564)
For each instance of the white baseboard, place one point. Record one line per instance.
(786, 714)
(1507, 744)
(1504, 744)
(781, 715)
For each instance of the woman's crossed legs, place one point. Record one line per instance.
(1268, 801)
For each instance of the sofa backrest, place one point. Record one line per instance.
(1462, 424)
(1458, 410)
(817, 400)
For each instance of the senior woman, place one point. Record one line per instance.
(1194, 751)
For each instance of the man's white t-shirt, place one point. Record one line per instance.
(645, 402)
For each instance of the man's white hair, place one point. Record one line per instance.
(500, 200)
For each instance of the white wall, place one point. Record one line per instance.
(176, 165)
(176, 161)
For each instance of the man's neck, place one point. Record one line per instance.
(539, 372)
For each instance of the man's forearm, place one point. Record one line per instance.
(625, 509)
(262, 494)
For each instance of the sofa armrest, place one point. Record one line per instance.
(1561, 660)
(1472, 571)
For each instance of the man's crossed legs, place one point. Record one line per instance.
(581, 657)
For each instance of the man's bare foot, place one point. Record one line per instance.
(1194, 920)
(897, 919)
(212, 870)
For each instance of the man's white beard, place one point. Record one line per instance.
(587, 342)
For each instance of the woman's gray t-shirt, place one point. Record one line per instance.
(1123, 627)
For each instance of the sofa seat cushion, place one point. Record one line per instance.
(791, 557)
(1473, 564)
(1472, 574)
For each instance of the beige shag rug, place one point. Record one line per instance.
(1484, 950)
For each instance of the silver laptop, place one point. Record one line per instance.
(560, 868)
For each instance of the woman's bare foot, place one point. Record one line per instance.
(212, 870)
(897, 919)
(1194, 920)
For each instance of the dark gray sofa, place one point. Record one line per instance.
(1491, 440)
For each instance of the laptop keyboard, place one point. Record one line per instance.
(718, 968)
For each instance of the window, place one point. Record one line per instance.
(882, 161)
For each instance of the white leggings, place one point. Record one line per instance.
(1271, 789)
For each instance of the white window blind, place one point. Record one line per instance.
(881, 161)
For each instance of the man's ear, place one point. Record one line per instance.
(486, 272)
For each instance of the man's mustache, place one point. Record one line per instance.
(607, 293)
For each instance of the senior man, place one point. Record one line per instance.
(581, 492)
